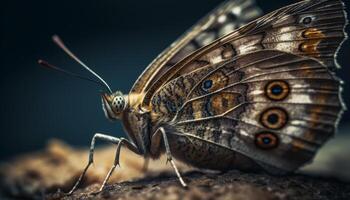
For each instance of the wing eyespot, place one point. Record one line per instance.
(274, 118)
(277, 90)
(266, 140)
(307, 20)
(207, 84)
(214, 82)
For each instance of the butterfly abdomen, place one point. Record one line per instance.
(203, 154)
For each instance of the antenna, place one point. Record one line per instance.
(50, 66)
(57, 40)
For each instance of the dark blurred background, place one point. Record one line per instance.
(116, 38)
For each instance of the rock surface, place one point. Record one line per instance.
(232, 185)
(47, 173)
(33, 175)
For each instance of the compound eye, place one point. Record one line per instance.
(118, 103)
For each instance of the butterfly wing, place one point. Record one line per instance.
(224, 19)
(312, 28)
(274, 107)
(266, 90)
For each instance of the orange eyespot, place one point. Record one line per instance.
(313, 33)
(308, 47)
(214, 82)
(274, 118)
(314, 37)
(266, 140)
(277, 90)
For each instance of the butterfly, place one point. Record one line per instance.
(236, 93)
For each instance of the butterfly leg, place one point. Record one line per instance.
(128, 145)
(99, 136)
(145, 165)
(155, 144)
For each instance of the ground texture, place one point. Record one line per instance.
(232, 185)
(47, 174)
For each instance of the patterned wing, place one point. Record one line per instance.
(274, 107)
(224, 19)
(311, 28)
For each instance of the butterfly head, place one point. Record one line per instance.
(114, 104)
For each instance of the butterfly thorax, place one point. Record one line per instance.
(136, 122)
(137, 126)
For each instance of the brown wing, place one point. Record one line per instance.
(311, 28)
(274, 107)
(224, 19)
